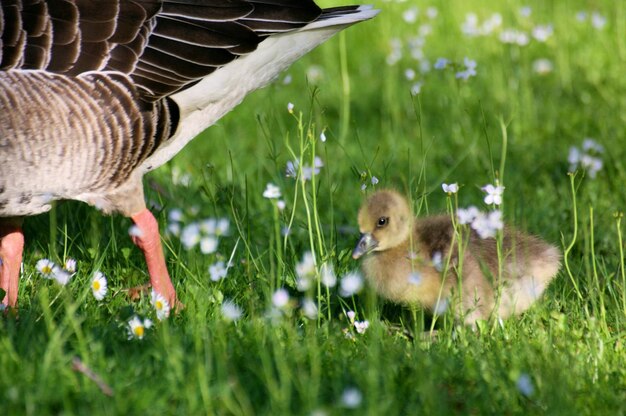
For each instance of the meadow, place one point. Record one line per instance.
(531, 94)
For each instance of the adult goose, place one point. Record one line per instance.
(95, 93)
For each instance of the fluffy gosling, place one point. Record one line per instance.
(417, 262)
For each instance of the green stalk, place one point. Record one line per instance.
(569, 248)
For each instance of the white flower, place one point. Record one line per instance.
(230, 311)
(271, 191)
(290, 107)
(45, 267)
(218, 271)
(70, 265)
(280, 204)
(416, 88)
(437, 261)
(487, 225)
(525, 11)
(303, 283)
(441, 63)
(361, 326)
(351, 398)
(287, 79)
(314, 73)
(409, 74)
(590, 144)
(323, 137)
(542, 66)
(598, 21)
(410, 15)
(374, 180)
(470, 69)
(309, 308)
(222, 227)
(190, 235)
(306, 267)
(351, 284)
(280, 298)
(327, 275)
(99, 285)
(514, 36)
(137, 328)
(525, 385)
(174, 228)
(494, 194)
(291, 170)
(160, 304)
(208, 244)
(452, 188)
(351, 315)
(135, 231)
(581, 16)
(61, 276)
(415, 278)
(432, 12)
(466, 216)
(542, 32)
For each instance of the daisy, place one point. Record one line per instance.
(99, 285)
(45, 267)
(60, 276)
(136, 327)
(160, 304)
(351, 284)
(70, 265)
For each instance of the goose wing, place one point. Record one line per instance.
(163, 45)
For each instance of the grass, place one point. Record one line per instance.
(564, 356)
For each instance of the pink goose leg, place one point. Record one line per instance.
(11, 247)
(149, 241)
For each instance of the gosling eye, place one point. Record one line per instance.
(382, 221)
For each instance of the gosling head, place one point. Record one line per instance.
(384, 221)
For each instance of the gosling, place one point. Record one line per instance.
(417, 262)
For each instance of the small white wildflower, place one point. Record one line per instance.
(374, 180)
(230, 310)
(525, 11)
(60, 276)
(432, 12)
(160, 304)
(494, 194)
(441, 306)
(598, 21)
(590, 144)
(280, 298)
(45, 267)
(208, 226)
(309, 308)
(306, 267)
(303, 283)
(280, 204)
(135, 231)
(467, 215)
(323, 137)
(327, 275)
(416, 88)
(487, 225)
(441, 63)
(218, 271)
(542, 32)
(351, 284)
(287, 79)
(351, 398)
(514, 36)
(452, 188)
(437, 261)
(363, 187)
(136, 327)
(99, 285)
(190, 235)
(361, 326)
(271, 191)
(409, 74)
(351, 315)
(175, 215)
(208, 244)
(70, 265)
(542, 66)
(222, 227)
(415, 278)
(290, 107)
(524, 385)
(410, 15)
(315, 73)
(174, 228)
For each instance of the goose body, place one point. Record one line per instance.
(417, 261)
(94, 94)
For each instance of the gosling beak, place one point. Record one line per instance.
(366, 244)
